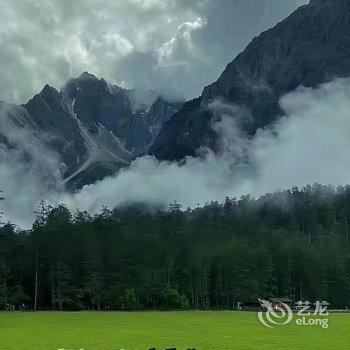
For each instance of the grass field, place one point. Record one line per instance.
(163, 330)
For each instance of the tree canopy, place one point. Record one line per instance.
(291, 243)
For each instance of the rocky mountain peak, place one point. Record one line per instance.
(47, 99)
(87, 84)
(310, 47)
(90, 127)
(49, 91)
(87, 76)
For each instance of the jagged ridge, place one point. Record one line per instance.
(310, 47)
(92, 128)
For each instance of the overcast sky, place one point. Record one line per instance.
(173, 46)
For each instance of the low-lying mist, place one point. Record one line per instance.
(308, 145)
(28, 168)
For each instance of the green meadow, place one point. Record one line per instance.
(163, 330)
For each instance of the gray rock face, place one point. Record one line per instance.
(89, 129)
(160, 112)
(95, 104)
(52, 114)
(310, 47)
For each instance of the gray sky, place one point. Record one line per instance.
(174, 46)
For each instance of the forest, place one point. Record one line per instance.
(292, 243)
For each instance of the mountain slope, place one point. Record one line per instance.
(89, 128)
(310, 47)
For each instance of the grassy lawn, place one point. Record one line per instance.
(183, 330)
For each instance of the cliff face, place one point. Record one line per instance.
(52, 114)
(308, 48)
(160, 112)
(96, 104)
(90, 129)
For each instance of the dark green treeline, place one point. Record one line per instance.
(288, 244)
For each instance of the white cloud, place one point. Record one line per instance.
(182, 41)
(174, 46)
(24, 183)
(310, 144)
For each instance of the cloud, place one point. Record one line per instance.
(28, 169)
(22, 189)
(174, 46)
(310, 144)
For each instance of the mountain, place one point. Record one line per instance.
(160, 113)
(310, 47)
(84, 132)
